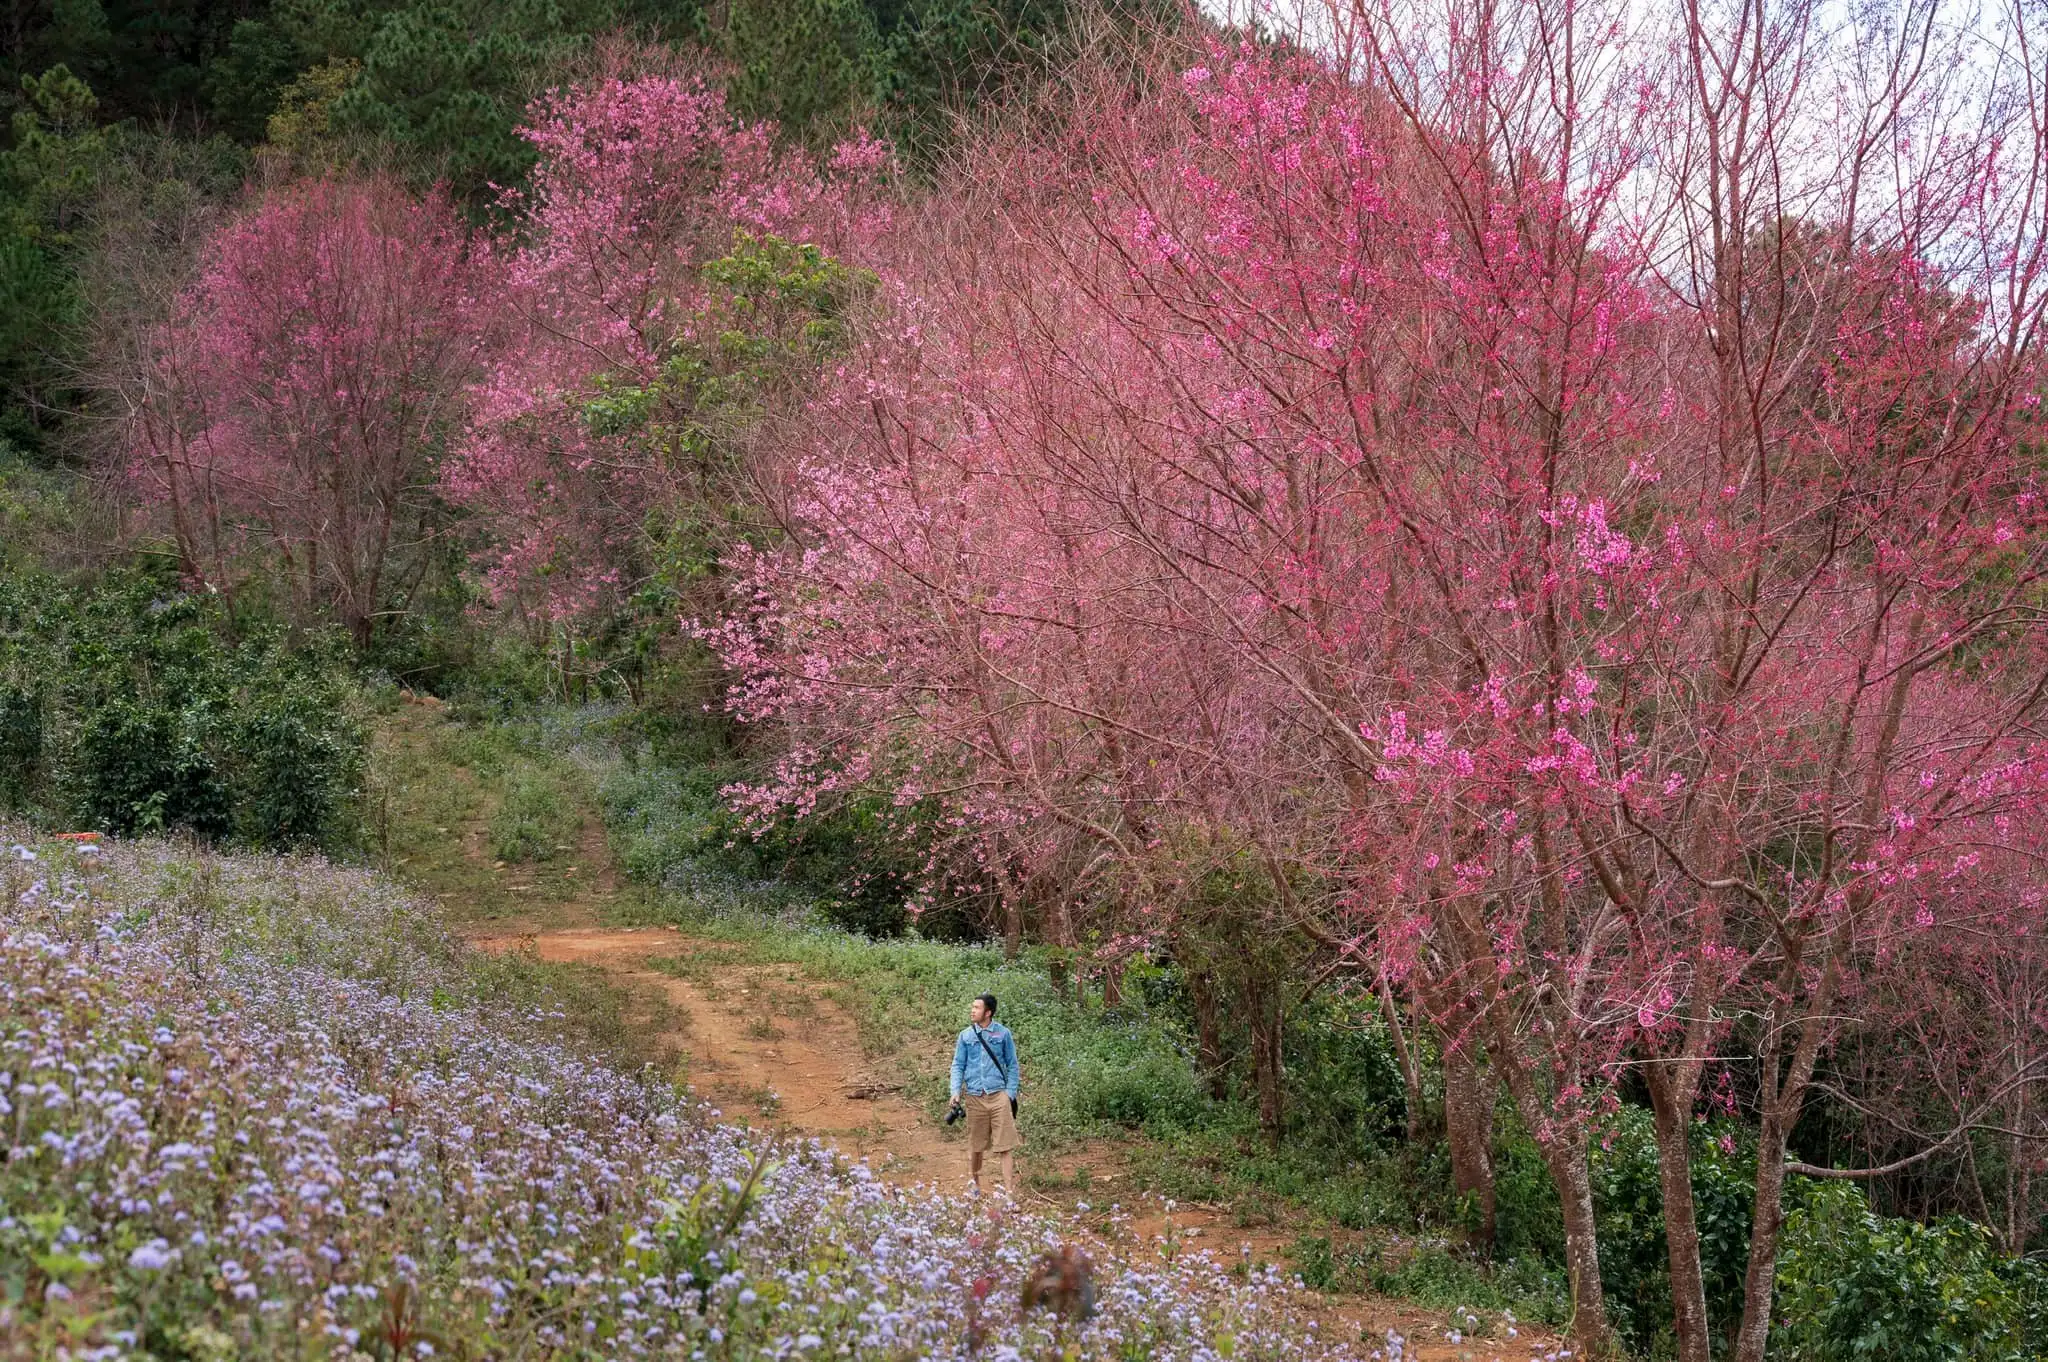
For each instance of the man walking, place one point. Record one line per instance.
(985, 1087)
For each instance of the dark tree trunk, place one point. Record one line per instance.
(1671, 1103)
(1056, 964)
(1208, 1035)
(1564, 1154)
(1262, 1005)
(1468, 1127)
(1782, 1094)
(1767, 1222)
(1582, 1246)
(1411, 1073)
(1013, 923)
(1011, 895)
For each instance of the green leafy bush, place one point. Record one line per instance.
(1136, 1085)
(1629, 1202)
(127, 708)
(671, 825)
(1854, 1285)
(1435, 1274)
(1343, 1080)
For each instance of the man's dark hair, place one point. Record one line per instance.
(988, 1000)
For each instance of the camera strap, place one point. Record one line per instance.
(991, 1055)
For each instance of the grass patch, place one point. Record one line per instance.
(1439, 1277)
(1483, 1299)
(487, 817)
(537, 815)
(1087, 1071)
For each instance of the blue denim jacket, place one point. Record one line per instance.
(972, 1070)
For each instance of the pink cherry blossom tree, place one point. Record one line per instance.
(1617, 657)
(616, 422)
(296, 403)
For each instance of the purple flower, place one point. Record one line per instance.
(154, 1256)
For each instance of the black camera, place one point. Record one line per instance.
(954, 1113)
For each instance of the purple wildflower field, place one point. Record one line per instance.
(266, 1107)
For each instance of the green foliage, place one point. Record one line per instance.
(438, 88)
(303, 121)
(673, 826)
(81, 205)
(145, 57)
(1853, 1285)
(910, 70)
(444, 86)
(1634, 1257)
(773, 312)
(57, 147)
(125, 708)
(245, 83)
(36, 303)
(38, 509)
(949, 59)
(1435, 1274)
(1344, 1091)
(1629, 1203)
(811, 65)
(1138, 1086)
(536, 817)
(46, 181)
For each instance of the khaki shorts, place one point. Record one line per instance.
(990, 1124)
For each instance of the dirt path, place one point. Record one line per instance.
(762, 1043)
(768, 1046)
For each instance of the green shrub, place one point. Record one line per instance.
(1326, 1266)
(128, 708)
(1854, 1285)
(1629, 1203)
(1851, 1284)
(1137, 1085)
(1443, 1277)
(1344, 1090)
(670, 825)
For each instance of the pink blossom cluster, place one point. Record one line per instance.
(642, 181)
(297, 397)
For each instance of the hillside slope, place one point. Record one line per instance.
(268, 1107)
